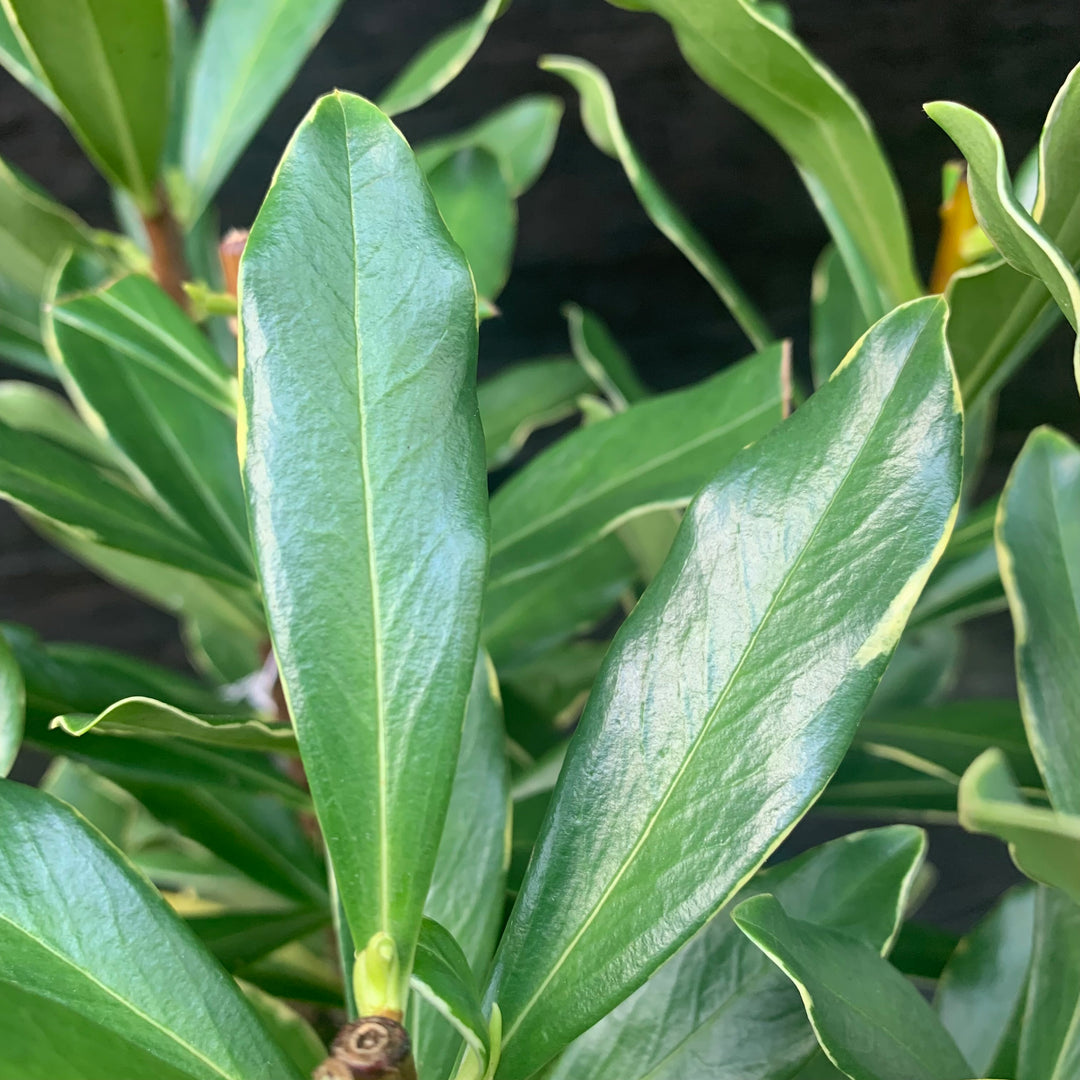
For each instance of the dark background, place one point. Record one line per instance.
(583, 236)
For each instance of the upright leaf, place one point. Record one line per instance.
(980, 995)
(732, 690)
(1050, 1038)
(247, 55)
(869, 1019)
(769, 74)
(603, 359)
(1038, 532)
(718, 1006)
(837, 319)
(367, 488)
(107, 62)
(440, 61)
(90, 950)
(17, 63)
(12, 707)
(601, 119)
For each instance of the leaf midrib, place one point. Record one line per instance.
(715, 710)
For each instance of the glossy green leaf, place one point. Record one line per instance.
(29, 407)
(474, 200)
(1050, 1038)
(12, 707)
(442, 977)
(176, 444)
(1042, 843)
(1014, 232)
(289, 1030)
(34, 232)
(135, 716)
(247, 56)
(467, 888)
(91, 950)
(15, 60)
(1038, 530)
(980, 995)
(521, 135)
(837, 319)
(790, 670)
(868, 1018)
(241, 938)
(602, 358)
(40, 476)
(380, 378)
(440, 61)
(20, 331)
(998, 315)
(107, 62)
(601, 119)
(718, 1007)
(655, 455)
(770, 75)
(523, 398)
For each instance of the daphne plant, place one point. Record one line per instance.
(492, 787)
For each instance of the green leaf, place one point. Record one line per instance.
(980, 995)
(380, 379)
(1038, 529)
(247, 56)
(920, 670)
(655, 455)
(718, 1006)
(135, 716)
(521, 135)
(239, 938)
(29, 407)
(40, 476)
(523, 398)
(1013, 231)
(12, 708)
(1042, 843)
(290, 1031)
(998, 315)
(467, 888)
(749, 739)
(1050, 1038)
(922, 951)
(442, 977)
(106, 962)
(872, 785)
(602, 358)
(474, 200)
(176, 445)
(34, 232)
(440, 61)
(868, 1018)
(20, 331)
(601, 119)
(770, 75)
(108, 64)
(837, 319)
(15, 60)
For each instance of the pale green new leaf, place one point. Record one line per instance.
(1050, 1036)
(998, 315)
(91, 950)
(869, 1019)
(1038, 533)
(523, 398)
(601, 119)
(108, 64)
(1042, 843)
(358, 345)
(248, 54)
(980, 994)
(743, 743)
(718, 1007)
(440, 61)
(521, 135)
(769, 74)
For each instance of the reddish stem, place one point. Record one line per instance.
(167, 251)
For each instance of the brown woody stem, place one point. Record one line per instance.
(371, 1048)
(167, 250)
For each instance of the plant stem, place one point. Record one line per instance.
(167, 250)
